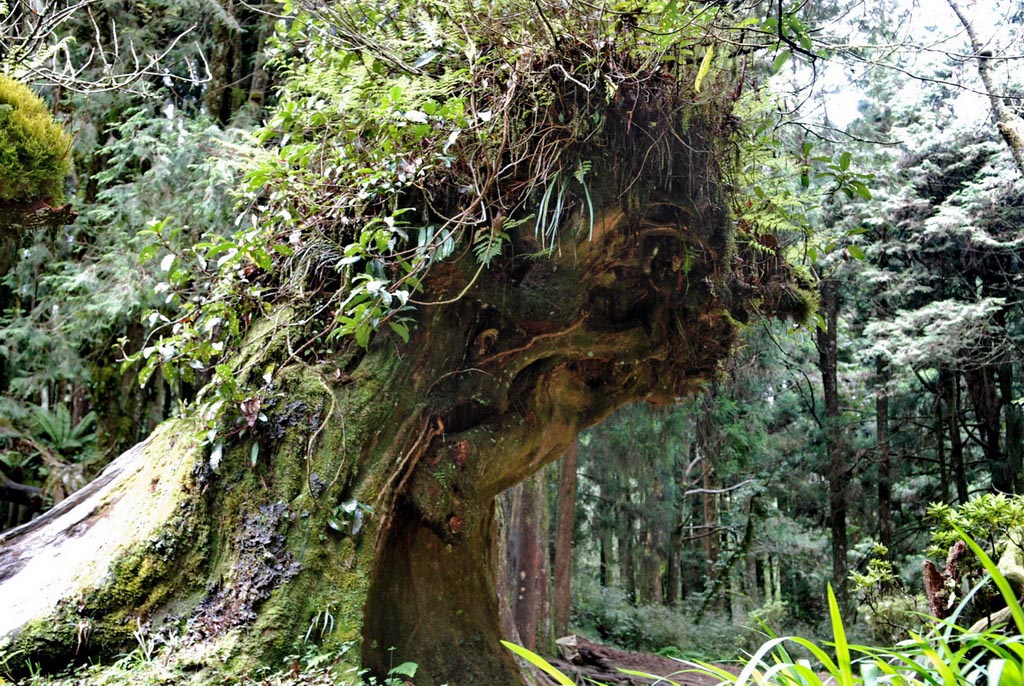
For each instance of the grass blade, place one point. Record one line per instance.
(540, 663)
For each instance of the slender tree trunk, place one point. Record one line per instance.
(737, 606)
(1014, 423)
(939, 432)
(752, 586)
(708, 439)
(627, 554)
(217, 98)
(527, 550)
(709, 530)
(260, 79)
(672, 575)
(563, 541)
(983, 390)
(607, 562)
(651, 591)
(838, 462)
(884, 467)
(950, 381)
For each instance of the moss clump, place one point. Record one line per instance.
(35, 152)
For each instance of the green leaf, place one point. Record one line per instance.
(262, 259)
(780, 60)
(401, 329)
(861, 190)
(844, 161)
(539, 662)
(254, 454)
(855, 252)
(405, 669)
(839, 636)
(362, 334)
(149, 252)
(705, 66)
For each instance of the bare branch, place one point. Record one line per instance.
(1004, 119)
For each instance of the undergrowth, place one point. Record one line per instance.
(152, 665)
(945, 654)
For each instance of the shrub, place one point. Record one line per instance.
(35, 152)
(606, 614)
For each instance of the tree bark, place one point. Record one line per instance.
(368, 494)
(838, 468)
(939, 432)
(526, 536)
(884, 466)
(983, 390)
(708, 447)
(950, 382)
(1014, 431)
(650, 583)
(672, 570)
(565, 528)
(607, 544)
(626, 539)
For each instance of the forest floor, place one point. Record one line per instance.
(602, 664)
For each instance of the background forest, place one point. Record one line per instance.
(826, 452)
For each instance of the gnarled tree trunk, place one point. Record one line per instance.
(367, 496)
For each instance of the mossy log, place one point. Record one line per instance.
(362, 511)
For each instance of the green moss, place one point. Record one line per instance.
(50, 643)
(34, 150)
(145, 578)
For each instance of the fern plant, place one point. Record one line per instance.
(55, 429)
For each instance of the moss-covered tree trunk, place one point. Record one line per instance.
(361, 511)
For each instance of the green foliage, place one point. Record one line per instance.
(783, 194)
(161, 657)
(35, 152)
(992, 519)
(55, 429)
(947, 655)
(605, 613)
(879, 570)
(347, 518)
(81, 290)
